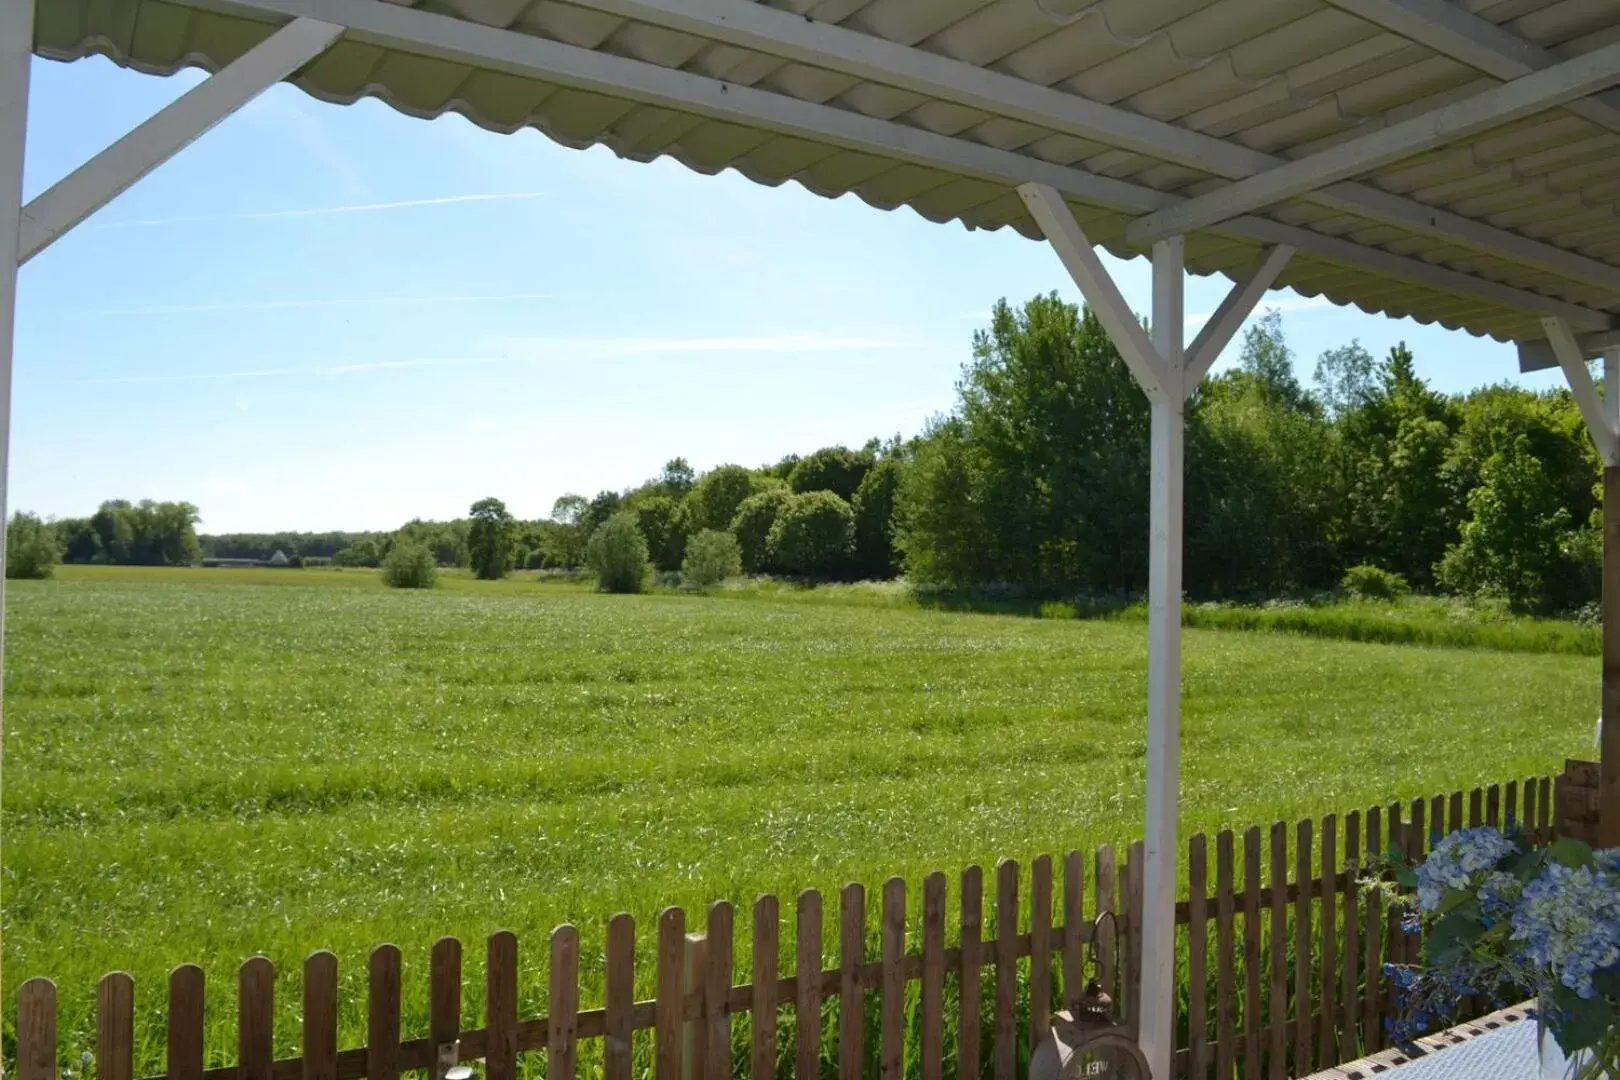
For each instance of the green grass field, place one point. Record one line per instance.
(203, 764)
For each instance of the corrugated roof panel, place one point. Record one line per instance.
(1283, 76)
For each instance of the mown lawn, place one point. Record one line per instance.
(204, 764)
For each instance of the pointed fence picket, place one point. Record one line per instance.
(1282, 977)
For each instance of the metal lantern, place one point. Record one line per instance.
(1089, 1042)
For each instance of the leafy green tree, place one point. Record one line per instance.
(837, 469)
(603, 506)
(365, 551)
(114, 526)
(876, 556)
(1346, 378)
(814, 535)
(677, 479)
(79, 541)
(1516, 541)
(1399, 510)
(409, 564)
(1261, 491)
(1042, 475)
(714, 501)
(490, 539)
(943, 528)
(617, 553)
(662, 521)
(783, 468)
(565, 543)
(1269, 361)
(711, 557)
(752, 527)
(33, 547)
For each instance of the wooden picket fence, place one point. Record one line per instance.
(1304, 992)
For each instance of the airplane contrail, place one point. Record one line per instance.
(355, 301)
(320, 211)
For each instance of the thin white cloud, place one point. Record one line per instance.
(643, 346)
(536, 350)
(350, 301)
(320, 211)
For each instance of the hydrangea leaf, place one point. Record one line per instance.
(1579, 1022)
(1453, 934)
(1570, 852)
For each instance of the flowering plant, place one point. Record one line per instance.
(1500, 917)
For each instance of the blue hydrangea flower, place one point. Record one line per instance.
(1497, 895)
(1454, 861)
(1608, 860)
(1569, 920)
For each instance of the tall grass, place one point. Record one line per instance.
(205, 764)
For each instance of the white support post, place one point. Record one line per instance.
(16, 54)
(1168, 371)
(1160, 846)
(98, 181)
(1602, 416)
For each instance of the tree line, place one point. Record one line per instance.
(1038, 478)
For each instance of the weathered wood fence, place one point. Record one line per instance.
(1280, 976)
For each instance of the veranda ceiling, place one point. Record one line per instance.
(1125, 106)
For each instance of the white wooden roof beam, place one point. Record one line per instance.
(461, 41)
(1515, 100)
(1079, 257)
(49, 215)
(780, 33)
(1453, 31)
(1593, 410)
(1239, 304)
(1538, 355)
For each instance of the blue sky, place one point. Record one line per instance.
(321, 317)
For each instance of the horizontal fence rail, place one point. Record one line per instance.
(1279, 975)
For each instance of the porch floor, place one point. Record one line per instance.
(1501, 1046)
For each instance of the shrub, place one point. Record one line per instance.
(714, 501)
(33, 548)
(618, 555)
(752, 527)
(663, 522)
(814, 534)
(711, 557)
(410, 564)
(1366, 582)
(834, 468)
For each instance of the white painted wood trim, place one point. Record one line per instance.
(1525, 96)
(1611, 388)
(1217, 333)
(1073, 247)
(1605, 436)
(1161, 844)
(16, 57)
(51, 214)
